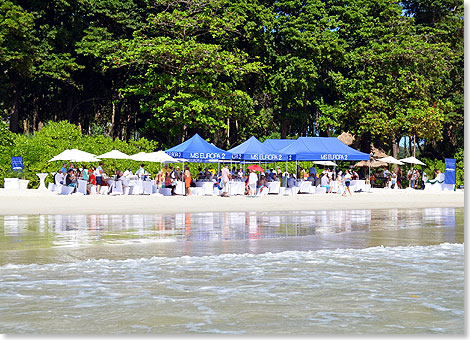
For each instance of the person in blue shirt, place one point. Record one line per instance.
(63, 170)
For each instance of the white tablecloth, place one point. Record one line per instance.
(207, 187)
(438, 187)
(236, 188)
(274, 187)
(359, 184)
(305, 187)
(135, 187)
(180, 189)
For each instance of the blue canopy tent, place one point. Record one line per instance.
(278, 144)
(197, 149)
(253, 150)
(323, 149)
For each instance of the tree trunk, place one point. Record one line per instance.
(365, 143)
(410, 146)
(116, 119)
(420, 149)
(283, 129)
(395, 147)
(14, 114)
(70, 108)
(228, 133)
(35, 113)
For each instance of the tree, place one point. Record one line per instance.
(392, 86)
(16, 55)
(186, 81)
(445, 20)
(305, 47)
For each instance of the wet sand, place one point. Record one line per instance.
(33, 201)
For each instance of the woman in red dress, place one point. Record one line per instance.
(187, 180)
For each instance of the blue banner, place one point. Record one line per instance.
(450, 171)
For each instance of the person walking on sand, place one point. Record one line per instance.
(187, 180)
(226, 177)
(99, 177)
(347, 182)
(252, 181)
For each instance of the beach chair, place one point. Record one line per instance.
(104, 190)
(319, 190)
(117, 188)
(58, 179)
(82, 186)
(263, 192)
(65, 190)
(165, 191)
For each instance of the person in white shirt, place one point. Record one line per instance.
(340, 180)
(252, 181)
(241, 174)
(225, 179)
(98, 175)
(127, 173)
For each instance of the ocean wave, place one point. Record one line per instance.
(405, 252)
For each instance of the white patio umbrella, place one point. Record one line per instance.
(141, 157)
(114, 154)
(412, 160)
(75, 155)
(157, 157)
(163, 157)
(390, 159)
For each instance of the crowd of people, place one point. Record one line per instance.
(394, 179)
(255, 183)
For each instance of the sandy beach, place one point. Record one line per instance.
(32, 201)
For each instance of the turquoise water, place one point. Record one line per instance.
(314, 272)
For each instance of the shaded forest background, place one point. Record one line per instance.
(163, 70)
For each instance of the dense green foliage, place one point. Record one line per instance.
(163, 70)
(39, 148)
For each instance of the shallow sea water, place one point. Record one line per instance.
(303, 272)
